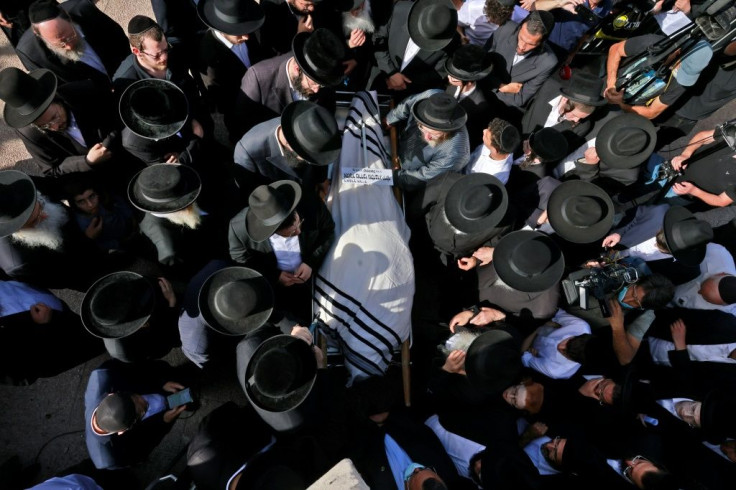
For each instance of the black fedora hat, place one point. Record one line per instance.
(548, 144)
(580, 212)
(432, 23)
(268, 207)
(235, 300)
(687, 236)
(117, 305)
(26, 95)
(626, 141)
(153, 108)
(312, 132)
(469, 63)
(528, 261)
(280, 373)
(717, 420)
(440, 111)
(234, 17)
(320, 54)
(493, 361)
(476, 202)
(164, 188)
(584, 88)
(17, 200)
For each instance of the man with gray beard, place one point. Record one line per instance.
(75, 40)
(360, 19)
(38, 243)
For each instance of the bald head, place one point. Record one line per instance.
(718, 289)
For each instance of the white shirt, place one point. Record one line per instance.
(460, 96)
(481, 162)
(89, 57)
(287, 250)
(554, 113)
(409, 53)
(548, 360)
(457, 447)
(568, 163)
(240, 50)
(518, 58)
(717, 260)
(702, 353)
(18, 297)
(646, 250)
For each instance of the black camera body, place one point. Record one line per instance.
(600, 282)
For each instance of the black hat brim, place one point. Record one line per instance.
(419, 108)
(416, 36)
(192, 183)
(688, 256)
(260, 232)
(322, 158)
(118, 330)
(567, 230)
(502, 350)
(502, 261)
(605, 140)
(598, 101)
(326, 80)
(218, 322)
(464, 185)
(152, 131)
(206, 11)
(47, 81)
(466, 76)
(22, 184)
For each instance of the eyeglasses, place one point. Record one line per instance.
(599, 392)
(551, 455)
(65, 41)
(630, 468)
(160, 54)
(416, 470)
(54, 122)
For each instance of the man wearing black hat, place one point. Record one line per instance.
(540, 151)
(227, 50)
(434, 141)
(67, 128)
(74, 40)
(125, 412)
(412, 47)
(287, 18)
(306, 74)
(297, 146)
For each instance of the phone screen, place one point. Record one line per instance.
(179, 398)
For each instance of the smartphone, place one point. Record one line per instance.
(179, 398)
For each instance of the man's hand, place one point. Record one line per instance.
(570, 5)
(678, 163)
(487, 315)
(397, 81)
(94, 228)
(171, 158)
(590, 156)
(168, 291)
(543, 218)
(197, 128)
(528, 4)
(682, 6)
(611, 240)
(455, 362)
(614, 96)
(357, 38)
(679, 331)
(172, 387)
(302, 333)
(537, 429)
(484, 255)
(510, 88)
(98, 154)
(617, 315)
(303, 272)
(460, 320)
(683, 188)
(171, 415)
(5, 22)
(288, 279)
(467, 263)
(349, 66)
(305, 24)
(41, 313)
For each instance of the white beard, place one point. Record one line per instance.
(363, 21)
(189, 217)
(68, 56)
(47, 233)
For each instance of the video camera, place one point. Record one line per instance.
(599, 282)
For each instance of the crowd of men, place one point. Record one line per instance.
(573, 321)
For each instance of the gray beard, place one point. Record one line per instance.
(363, 22)
(188, 217)
(297, 83)
(68, 56)
(47, 233)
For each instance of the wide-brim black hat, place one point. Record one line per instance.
(528, 261)
(319, 55)
(440, 111)
(493, 361)
(280, 374)
(585, 88)
(117, 305)
(432, 23)
(17, 200)
(312, 132)
(164, 188)
(26, 95)
(687, 237)
(476, 202)
(154, 109)
(268, 207)
(626, 141)
(580, 212)
(234, 17)
(548, 144)
(235, 300)
(717, 421)
(637, 394)
(469, 63)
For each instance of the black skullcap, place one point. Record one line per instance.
(727, 289)
(140, 24)
(43, 10)
(116, 412)
(509, 139)
(546, 18)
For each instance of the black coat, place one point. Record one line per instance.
(281, 24)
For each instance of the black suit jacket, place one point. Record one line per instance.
(281, 24)
(102, 33)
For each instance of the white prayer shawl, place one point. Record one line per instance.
(365, 288)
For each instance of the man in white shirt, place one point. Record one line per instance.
(557, 348)
(496, 155)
